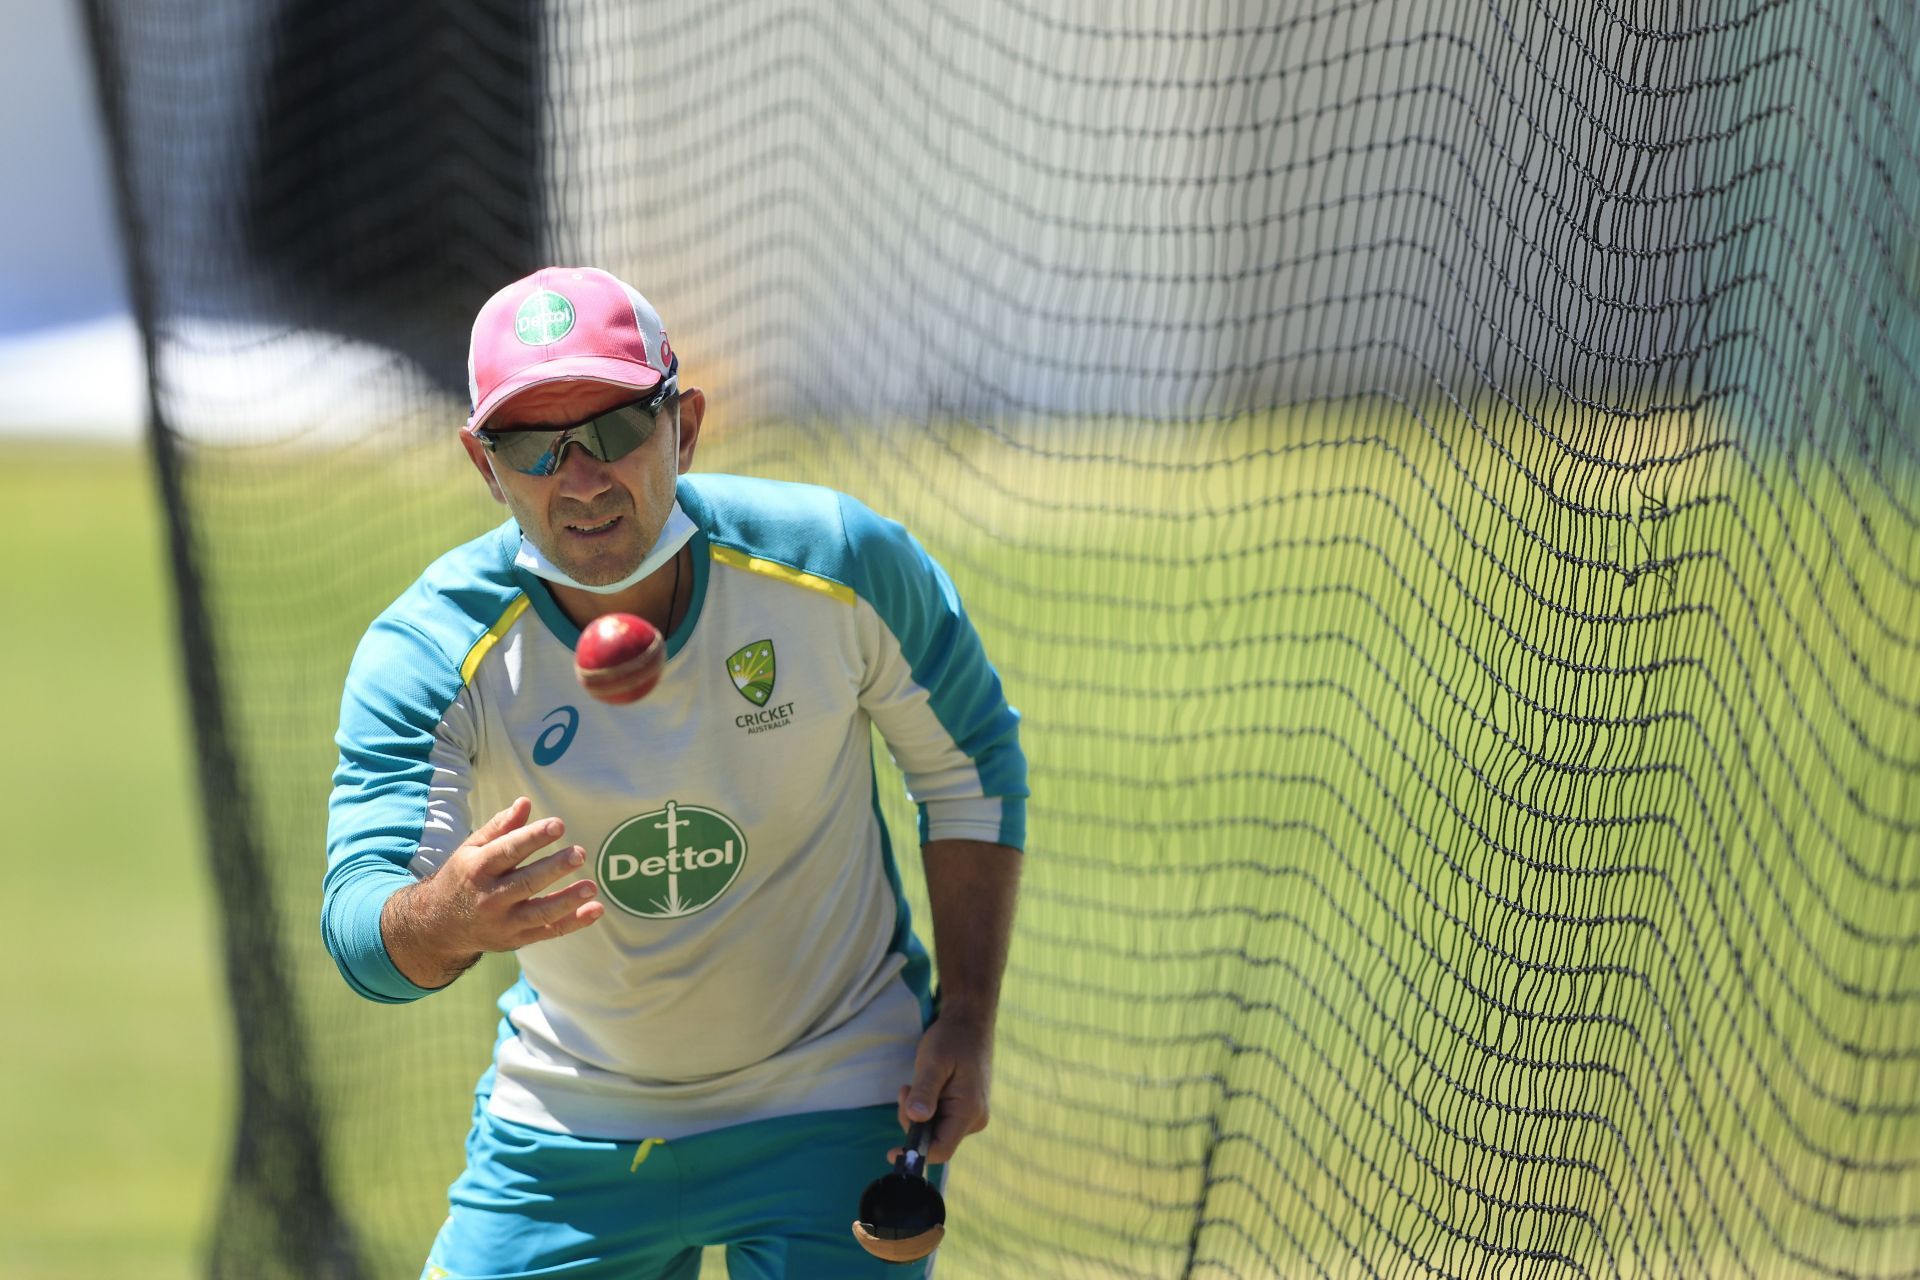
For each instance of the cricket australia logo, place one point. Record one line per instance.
(672, 862)
(752, 670)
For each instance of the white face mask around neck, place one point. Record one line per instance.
(679, 531)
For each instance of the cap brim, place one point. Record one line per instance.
(609, 370)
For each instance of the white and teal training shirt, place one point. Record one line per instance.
(756, 957)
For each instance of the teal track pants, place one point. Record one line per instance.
(780, 1195)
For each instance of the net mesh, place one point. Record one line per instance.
(1438, 481)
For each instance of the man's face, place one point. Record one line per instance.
(594, 520)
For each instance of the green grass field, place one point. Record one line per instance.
(117, 1073)
(1450, 840)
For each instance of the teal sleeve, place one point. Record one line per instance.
(917, 602)
(397, 692)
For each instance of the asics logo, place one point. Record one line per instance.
(556, 737)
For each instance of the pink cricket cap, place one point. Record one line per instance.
(564, 324)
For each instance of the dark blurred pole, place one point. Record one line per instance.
(398, 172)
(277, 1215)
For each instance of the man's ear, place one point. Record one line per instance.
(478, 455)
(693, 408)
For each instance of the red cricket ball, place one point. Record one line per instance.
(619, 657)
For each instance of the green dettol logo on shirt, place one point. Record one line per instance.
(671, 862)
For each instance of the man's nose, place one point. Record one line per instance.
(581, 476)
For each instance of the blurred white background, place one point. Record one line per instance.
(70, 365)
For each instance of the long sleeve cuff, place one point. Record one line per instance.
(350, 923)
(990, 819)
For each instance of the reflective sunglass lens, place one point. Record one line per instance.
(619, 433)
(609, 437)
(528, 452)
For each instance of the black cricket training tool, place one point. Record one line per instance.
(902, 1216)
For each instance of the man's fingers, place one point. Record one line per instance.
(535, 876)
(956, 1119)
(558, 914)
(503, 853)
(948, 1128)
(502, 822)
(537, 913)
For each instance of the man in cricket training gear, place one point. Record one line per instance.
(724, 1016)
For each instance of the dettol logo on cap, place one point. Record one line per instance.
(544, 317)
(671, 862)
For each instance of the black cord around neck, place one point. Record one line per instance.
(673, 601)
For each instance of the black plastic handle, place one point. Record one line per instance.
(913, 1150)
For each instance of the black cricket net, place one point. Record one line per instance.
(1439, 481)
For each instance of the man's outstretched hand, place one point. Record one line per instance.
(482, 899)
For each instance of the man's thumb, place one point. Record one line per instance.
(925, 1094)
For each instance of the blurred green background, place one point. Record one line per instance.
(118, 1076)
(1347, 960)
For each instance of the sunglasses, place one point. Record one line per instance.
(609, 437)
